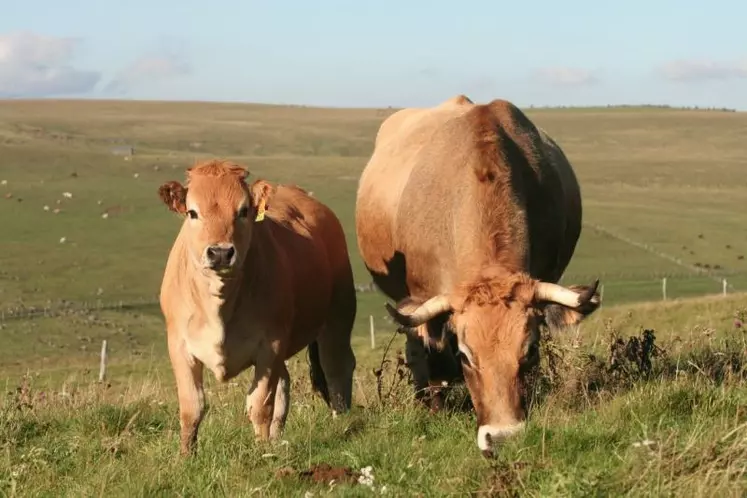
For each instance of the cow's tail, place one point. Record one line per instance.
(318, 380)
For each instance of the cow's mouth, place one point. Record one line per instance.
(223, 271)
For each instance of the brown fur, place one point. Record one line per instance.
(476, 203)
(494, 287)
(290, 287)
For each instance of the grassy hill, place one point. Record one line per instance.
(660, 189)
(662, 194)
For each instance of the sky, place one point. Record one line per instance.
(378, 53)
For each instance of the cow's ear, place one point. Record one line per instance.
(174, 195)
(559, 316)
(261, 193)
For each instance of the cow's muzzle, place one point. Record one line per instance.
(220, 257)
(490, 436)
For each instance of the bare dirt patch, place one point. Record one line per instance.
(322, 473)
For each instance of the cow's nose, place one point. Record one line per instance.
(220, 256)
(488, 436)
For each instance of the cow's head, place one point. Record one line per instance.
(496, 318)
(221, 211)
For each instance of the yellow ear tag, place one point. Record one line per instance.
(260, 211)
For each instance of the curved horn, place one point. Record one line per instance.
(546, 291)
(432, 307)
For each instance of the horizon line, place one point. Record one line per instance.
(692, 107)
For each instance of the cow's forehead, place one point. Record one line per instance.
(221, 191)
(496, 323)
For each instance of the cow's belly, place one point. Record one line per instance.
(226, 353)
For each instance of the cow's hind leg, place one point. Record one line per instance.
(335, 357)
(282, 402)
(260, 400)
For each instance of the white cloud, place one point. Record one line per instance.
(33, 65)
(565, 76)
(703, 70)
(146, 70)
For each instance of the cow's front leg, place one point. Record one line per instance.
(417, 362)
(188, 373)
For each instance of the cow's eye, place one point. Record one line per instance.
(243, 212)
(192, 214)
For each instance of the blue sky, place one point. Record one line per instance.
(407, 52)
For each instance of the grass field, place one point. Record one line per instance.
(659, 178)
(662, 190)
(681, 430)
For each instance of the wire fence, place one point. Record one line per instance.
(613, 291)
(24, 312)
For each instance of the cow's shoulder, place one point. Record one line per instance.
(504, 138)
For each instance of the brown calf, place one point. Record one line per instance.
(256, 274)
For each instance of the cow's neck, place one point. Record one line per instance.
(504, 231)
(218, 296)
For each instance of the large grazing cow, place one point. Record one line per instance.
(256, 274)
(467, 216)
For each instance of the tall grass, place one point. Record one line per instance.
(628, 416)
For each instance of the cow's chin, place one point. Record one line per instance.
(226, 273)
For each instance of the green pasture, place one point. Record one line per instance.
(667, 180)
(663, 194)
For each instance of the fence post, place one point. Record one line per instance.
(102, 365)
(664, 288)
(723, 286)
(373, 331)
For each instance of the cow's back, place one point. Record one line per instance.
(423, 218)
(570, 195)
(398, 146)
(315, 254)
